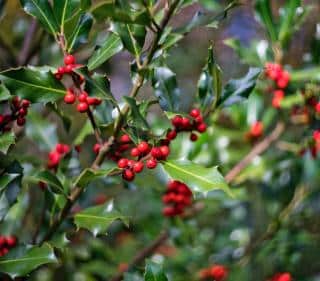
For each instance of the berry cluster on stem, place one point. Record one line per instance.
(216, 272)
(7, 243)
(19, 110)
(178, 196)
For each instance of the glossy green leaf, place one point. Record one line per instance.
(85, 131)
(237, 90)
(166, 89)
(4, 93)
(5, 179)
(109, 48)
(42, 10)
(109, 9)
(66, 120)
(81, 32)
(22, 260)
(154, 272)
(64, 9)
(264, 13)
(210, 82)
(34, 84)
(89, 175)
(132, 36)
(137, 118)
(6, 140)
(97, 219)
(51, 179)
(198, 177)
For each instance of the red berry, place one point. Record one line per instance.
(96, 148)
(82, 107)
(195, 113)
(193, 137)
(123, 163)
(317, 107)
(219, 272)
(138, 167)
(58, 76)
(21, 121)
(256, 129)
(16, 102)
(151, 163)
(23, 111)
(128, 175)
(78, 148)
(83, 97)
(131, 163)
(143, 147)
(4, 251)
(165, 151)
(185, 122)
(68, 68)
(60, 148)
(25, 103)
(135, 152)
(199, 119)
(202, 127)
(168, 211)
(177, 121)
(61, 70)
(11, 241)
(316, 136)
(69, 98)
(54, 159)
(156, 153)
(97, 101)
(1, 118)
(90, 100)
(276, 102)
(171, 134)
(173, 185)
(69, 59)
(125, 139)
(284, 277)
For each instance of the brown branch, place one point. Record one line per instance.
(258, 149)
(143, 254)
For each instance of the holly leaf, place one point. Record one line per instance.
(237, 90)
(4, 93)
(6, 140)
(50, 179)
(199, 178)
(166, 89)
(64, 10)
(264, 13)
(23, 259)
(138, 119)
(97, 219)
(41, 10)
(154, 272)
(109, 48)
(80, 33)
(34, 84)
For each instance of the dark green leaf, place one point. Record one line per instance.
(4, 93)
(65, 119)
(236, 90)
(64, 9)
(85, 131)
(264, 13)
(6, 139)
(34, 84)
(42, 10)
(166, 89)
(210, 84)
(22, 260)
(50, 179)
(197, 177)
(98, 219)
(135, 113)
(81, 32)
(110, 47)
(154, 272)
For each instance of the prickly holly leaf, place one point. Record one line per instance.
(6, 140)
(98, 219)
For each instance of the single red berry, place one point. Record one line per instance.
(199, 119)
(195, 113)
(135, 152)
(11, 241)
(90, 100)
(165, 151)
(171, 134)
(1, 118)
(143, 147)
(68, 68)
(60, 148)
(138, 167)
(173, 185)
(316, 136)
(256, 129)
(83, 97)
(123, 163)
(185, 122)
(61, 70)
(82, 107)
(276, 102)
(4, 251)
(219, 272)
(317, 107)
(193, 137)
(177, 121)
(54, 159)
(125, 139)
(151, 163)
(69, 59)
(156, 153)
(128, 175)
(202, 127)
(168, 211)
(21, 121)
(131, 163)
(69, 98)
(16, 102)
(96, 148)
(23, 112)
(25, 103)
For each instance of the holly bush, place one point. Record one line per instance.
(213, 175)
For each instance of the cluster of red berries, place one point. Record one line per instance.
(57, 154)
(70, 65)
(84, 100)
(216, 273)
(313, 146)
(7, 243)
(188, 124)
(285, 276)
(178, 196)
(19, 110)
(256, 131)
(281, 77)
